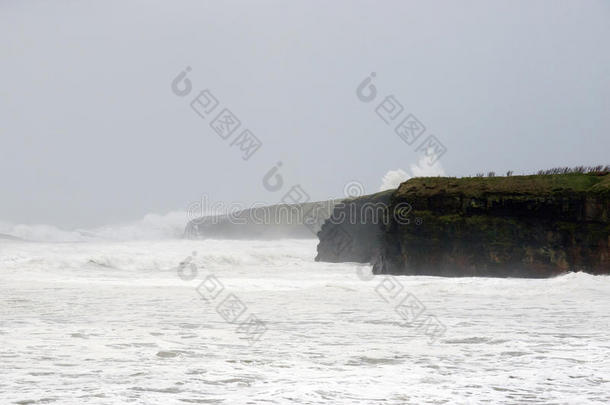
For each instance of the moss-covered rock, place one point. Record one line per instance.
(521, 226)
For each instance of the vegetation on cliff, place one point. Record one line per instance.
(524, 226)
(532, 184)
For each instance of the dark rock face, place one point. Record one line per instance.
(522, 226)
(353, 232)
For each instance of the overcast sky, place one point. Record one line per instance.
(91, 132)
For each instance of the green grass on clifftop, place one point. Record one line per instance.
(533, 185)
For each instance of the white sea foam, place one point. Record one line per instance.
(112, 322)
(422, 168)
(150, 227)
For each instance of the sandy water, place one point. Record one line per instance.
(110, 323)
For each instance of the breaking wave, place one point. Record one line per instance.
(423, 168)
(150, 227)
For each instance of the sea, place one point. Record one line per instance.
(147, 318)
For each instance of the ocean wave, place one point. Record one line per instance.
(150, 227)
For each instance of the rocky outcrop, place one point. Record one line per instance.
(353, 232)
(520, 226)
(268, 222)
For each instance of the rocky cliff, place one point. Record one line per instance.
(353, 232)
(519, 226)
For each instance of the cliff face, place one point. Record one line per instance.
(521, 226)
(352, 233)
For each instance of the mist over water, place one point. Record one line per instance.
(172, 225)
(150, 227)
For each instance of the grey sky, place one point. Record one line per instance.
(90, 132)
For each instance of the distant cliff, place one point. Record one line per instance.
(9, 237)
(268, 222)
(519, 226)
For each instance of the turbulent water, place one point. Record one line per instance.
(114, 322)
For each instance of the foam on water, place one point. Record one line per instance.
(111, 322)
(150, 227)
